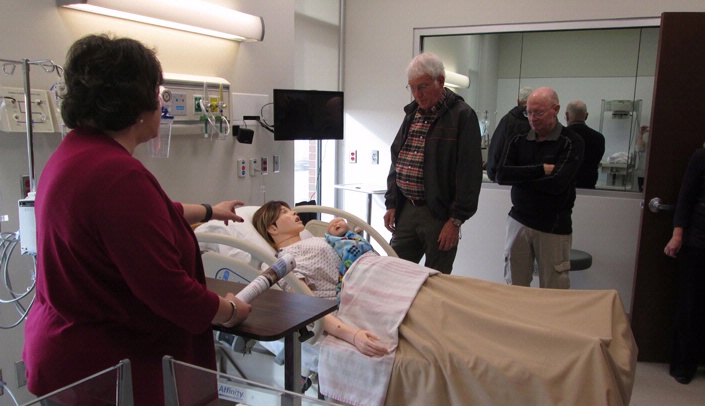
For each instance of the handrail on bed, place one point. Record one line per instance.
(259, 256)
(357, 221)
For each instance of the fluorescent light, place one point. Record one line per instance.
(185, 15)
(456, 80)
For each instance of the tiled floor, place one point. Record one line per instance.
(655, 387)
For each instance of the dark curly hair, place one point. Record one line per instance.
(109, 83)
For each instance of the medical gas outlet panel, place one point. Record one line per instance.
(13, 111)
(183, 95)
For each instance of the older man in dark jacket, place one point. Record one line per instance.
(436, 173)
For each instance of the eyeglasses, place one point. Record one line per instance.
(537, 114)
(418, 88)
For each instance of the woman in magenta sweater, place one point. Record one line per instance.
(119, 272)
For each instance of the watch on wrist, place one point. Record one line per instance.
(456, 222)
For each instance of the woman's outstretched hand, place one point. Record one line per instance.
(366, 342)
(225, 211)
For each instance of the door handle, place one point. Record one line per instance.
(655, 205)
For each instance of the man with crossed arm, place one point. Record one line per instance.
(541, 167)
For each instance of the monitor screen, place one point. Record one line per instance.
(308, 115)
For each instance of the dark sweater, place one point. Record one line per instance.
(542, 202)
(690, 209)
(513, 123)
(119, 273)
(594, 149)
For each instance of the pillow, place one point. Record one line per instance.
(244, 230)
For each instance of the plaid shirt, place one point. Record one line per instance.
(411, 157)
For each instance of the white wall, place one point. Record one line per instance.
(378, 47)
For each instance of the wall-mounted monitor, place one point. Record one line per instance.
(308, 115)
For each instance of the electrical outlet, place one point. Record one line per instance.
(21, 372)
(353, 157)
(253, 166)
(375, 157)
(263, 165)
(241, 168)
(275, 162)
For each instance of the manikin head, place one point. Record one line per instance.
(338, 227)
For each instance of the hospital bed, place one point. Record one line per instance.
(468, 341)
(237, 253)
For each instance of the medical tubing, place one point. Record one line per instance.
(9, 392)
(8, 241)
(269, 277)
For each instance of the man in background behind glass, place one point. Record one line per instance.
(514, 122)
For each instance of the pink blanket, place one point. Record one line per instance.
(376, 295)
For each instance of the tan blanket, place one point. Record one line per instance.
(470, 342)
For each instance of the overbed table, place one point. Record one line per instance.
(276, 314)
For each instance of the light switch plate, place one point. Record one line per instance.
(254, 162)
(275, 164)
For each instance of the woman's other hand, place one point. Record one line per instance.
(366, 342)
(225, 211)
(241, 313)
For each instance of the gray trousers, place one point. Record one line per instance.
(416, 234)
(526, 246)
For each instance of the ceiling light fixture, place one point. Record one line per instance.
(457, 80)
(185, 15)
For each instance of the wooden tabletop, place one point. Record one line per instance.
(275, 314)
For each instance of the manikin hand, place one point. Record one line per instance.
(366, 342)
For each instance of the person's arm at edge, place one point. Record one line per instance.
(687, 198)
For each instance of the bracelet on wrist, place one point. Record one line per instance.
(209, 212)
(231, 320)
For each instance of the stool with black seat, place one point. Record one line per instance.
(580, 260)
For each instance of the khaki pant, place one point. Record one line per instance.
(526, 246)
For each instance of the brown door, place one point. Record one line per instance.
(677, 130)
